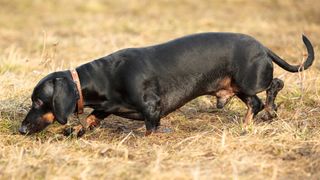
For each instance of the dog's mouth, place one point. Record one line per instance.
(35, 123)
(23, 130)
(32, 128)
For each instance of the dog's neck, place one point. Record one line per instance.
(88, 74)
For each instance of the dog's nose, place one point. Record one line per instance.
(23, 129)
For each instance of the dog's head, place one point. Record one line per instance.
(54, 98)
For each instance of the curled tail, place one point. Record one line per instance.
(295, 68)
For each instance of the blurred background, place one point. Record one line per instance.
(62, 33)
(42, 36)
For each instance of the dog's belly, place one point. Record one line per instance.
(129, 113)
(183, 92)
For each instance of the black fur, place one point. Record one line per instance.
(150, 82)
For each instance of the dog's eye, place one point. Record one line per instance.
(37, 103)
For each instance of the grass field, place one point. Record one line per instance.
(38, 37)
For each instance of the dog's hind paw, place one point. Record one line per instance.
(268, 115)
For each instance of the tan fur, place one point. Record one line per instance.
(48, 117)
(226, 88)
(90, 121)
(249, 116)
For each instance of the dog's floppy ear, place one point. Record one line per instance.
(64, 99)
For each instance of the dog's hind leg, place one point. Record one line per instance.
(254, 105)
(272, 92)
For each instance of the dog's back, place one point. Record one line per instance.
(189, 66)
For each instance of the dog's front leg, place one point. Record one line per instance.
(149, 103)
(152, 117)
(90, 122)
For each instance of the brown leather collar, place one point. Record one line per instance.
(76, 79)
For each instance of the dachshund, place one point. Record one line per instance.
(150, 82)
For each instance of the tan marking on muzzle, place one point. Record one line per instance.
(48, 117)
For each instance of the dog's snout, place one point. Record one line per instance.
(23, 130)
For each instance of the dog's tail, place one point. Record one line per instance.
(295, 68)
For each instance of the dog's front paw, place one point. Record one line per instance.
(76, 131)
(159, 130)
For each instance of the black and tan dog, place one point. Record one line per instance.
(148, 83)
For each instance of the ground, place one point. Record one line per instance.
(38, 37)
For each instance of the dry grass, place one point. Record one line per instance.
(37, 37)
